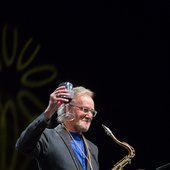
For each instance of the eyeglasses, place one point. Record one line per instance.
(85, 110)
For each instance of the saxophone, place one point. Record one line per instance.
(126, 159)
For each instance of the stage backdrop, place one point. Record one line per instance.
(119, 51)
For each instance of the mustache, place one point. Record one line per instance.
(87, 119)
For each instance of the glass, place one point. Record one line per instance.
(69, 87)
(86, 110)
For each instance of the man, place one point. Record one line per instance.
(63, 147)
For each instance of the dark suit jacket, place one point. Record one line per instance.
(51, 147)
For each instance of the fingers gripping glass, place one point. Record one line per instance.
(85, 110)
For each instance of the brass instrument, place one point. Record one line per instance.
(125, 160)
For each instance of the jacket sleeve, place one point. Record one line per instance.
(29, 138)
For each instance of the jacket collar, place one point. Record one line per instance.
(66, 139)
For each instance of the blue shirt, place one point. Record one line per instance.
(79, 149)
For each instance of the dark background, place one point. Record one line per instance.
(120, 51)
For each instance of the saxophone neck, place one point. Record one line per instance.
(109, 133)
(107, 130)
(127, 159)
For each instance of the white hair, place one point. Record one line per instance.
(62, 114)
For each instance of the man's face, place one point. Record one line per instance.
(83, 116)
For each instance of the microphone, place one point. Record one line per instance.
(164, 167)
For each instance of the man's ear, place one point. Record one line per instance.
(68, 115)
(66, 108)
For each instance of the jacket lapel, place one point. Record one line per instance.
(66, 139)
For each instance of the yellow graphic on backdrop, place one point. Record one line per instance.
(17, 60)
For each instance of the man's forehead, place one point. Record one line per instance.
(84, 99)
